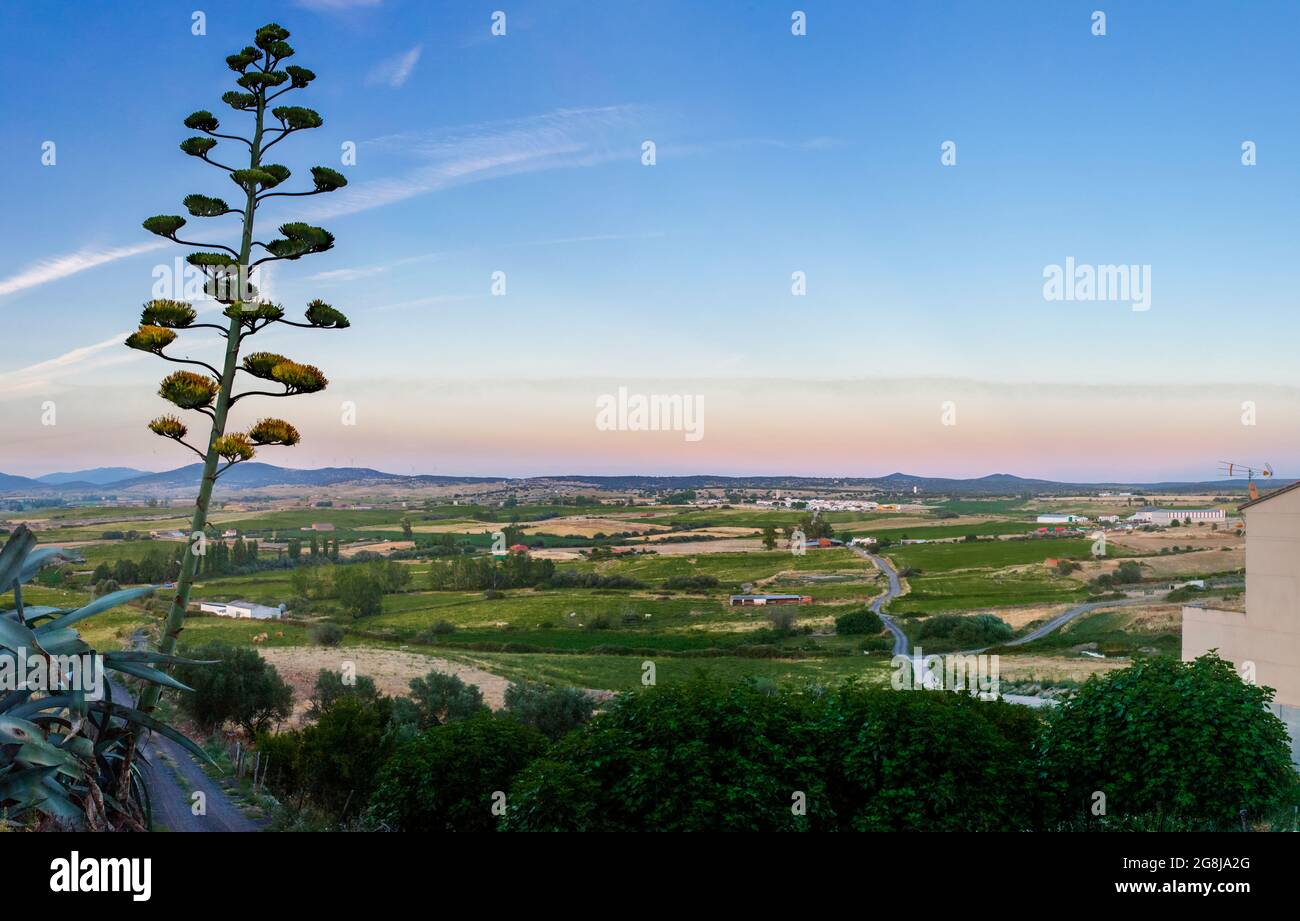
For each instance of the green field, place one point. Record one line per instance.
(947, 557)
(991, 589)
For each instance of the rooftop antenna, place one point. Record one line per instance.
(1233, 470)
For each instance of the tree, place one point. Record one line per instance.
(360, 593)
(1183, 741)
(862, 622)
(240, 687)
(554, 712)
(440, 699)
(769, 537)
(228, 274)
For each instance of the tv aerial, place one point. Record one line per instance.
(1235, 471)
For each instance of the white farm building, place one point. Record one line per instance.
(1167, 516)
(241, 609)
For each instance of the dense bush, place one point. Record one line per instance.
(863, 622)
(691, 583)
(964, 631)
(553, 712)
(325, 634)
(342, 753)
(696, 756)
(707, 756)
(570, 579)
(1179, 739)
(450, 777)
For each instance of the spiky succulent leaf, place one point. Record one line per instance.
(170, 314)
(150, 339)
(273, 432)
(188, 390)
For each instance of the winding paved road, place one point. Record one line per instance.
(1065, 617)
(901, 644)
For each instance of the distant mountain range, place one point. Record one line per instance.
(99, 476)
(259, 476)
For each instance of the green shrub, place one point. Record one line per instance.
(705, 756)
(691, 583)
(862, 622)
(553, 712)
(964, 631)
(1185, 740)
(447, 778)
(325, 634)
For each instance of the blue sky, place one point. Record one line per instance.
(775, 153)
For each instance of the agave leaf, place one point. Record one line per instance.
(98, 606)
(43, 754)
(13, 699)
(53, 704)
(155, 658)
(80, 746)
(32, 612)
(132, 715)
(37, 559)
(65, 643)
(55, 803)
(15, 636)
(26, 785)
(152, 675)
(15, 550)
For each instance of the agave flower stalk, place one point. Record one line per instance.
(204, 388)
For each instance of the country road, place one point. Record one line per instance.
(901, 644)
(173, 776)
(1065, 617)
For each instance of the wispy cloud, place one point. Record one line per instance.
(86, 357)
(57, 267)
(560, 139)
(395, 71)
